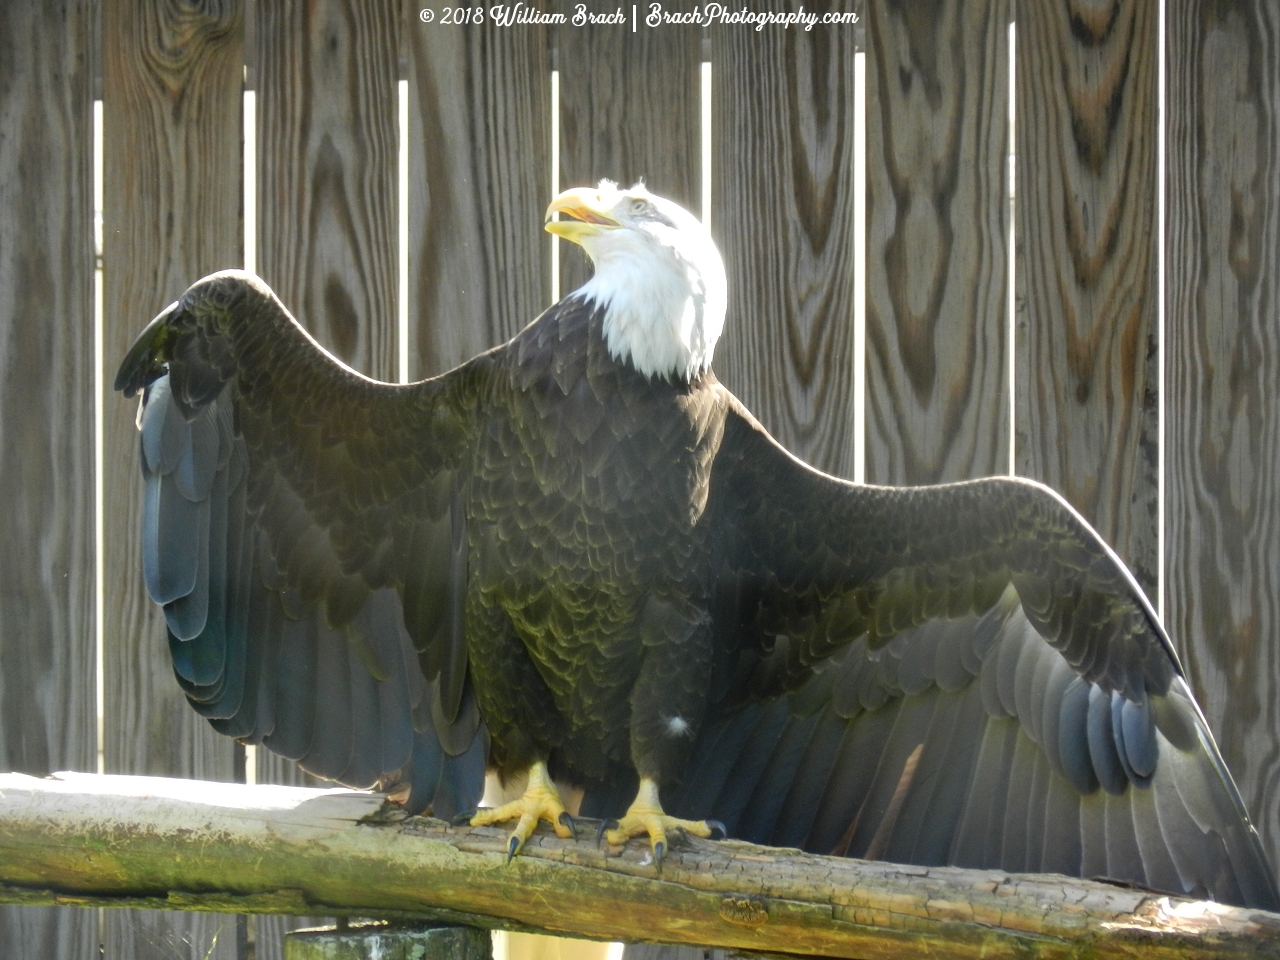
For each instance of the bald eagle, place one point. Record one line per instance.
(578, 557)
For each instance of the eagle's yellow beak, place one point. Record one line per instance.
(586, 206)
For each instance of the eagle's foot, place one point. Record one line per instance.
(541, 801)
(645, 816)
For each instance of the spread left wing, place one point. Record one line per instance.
(305, 533)
(962, 674)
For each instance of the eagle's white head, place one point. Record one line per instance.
(659, 276)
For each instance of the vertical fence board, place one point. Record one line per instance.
(47, 717)
(937, 251)
(1223, 404)
(782, 184)
(327, 171)
(327, 195)
(479, 181)
(1086, 276)
(171, 92)
(46, 389)
(629, 110)
(48, 933)
(327, 143)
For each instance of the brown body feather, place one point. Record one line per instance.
(591, 557)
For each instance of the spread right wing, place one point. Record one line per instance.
(304, 531)
(962, 674)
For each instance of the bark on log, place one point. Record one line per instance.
(81, 839)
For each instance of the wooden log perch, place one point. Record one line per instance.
(149, 842)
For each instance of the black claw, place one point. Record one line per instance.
(659, 851)
(567, 821)
(605, 825)
(715, 826)
(513, 846)
(463, 819)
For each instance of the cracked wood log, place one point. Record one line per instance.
(81, 839)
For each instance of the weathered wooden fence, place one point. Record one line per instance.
(1190, 500)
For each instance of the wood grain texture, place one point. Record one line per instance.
(629, 110)
(172, 78)
(327, 207)
(1086, 331)
(479, 181)
(171, 82)
(54, 932)
(327, 141)
(327, 195)
(1222, 401)
(937, 218)
(782, 213)
(47, 710)
(47, 717)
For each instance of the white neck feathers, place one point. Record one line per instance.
(663, 292)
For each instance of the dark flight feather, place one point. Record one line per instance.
(546, 555)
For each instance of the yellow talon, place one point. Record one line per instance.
(645, 816)
(541, 801)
